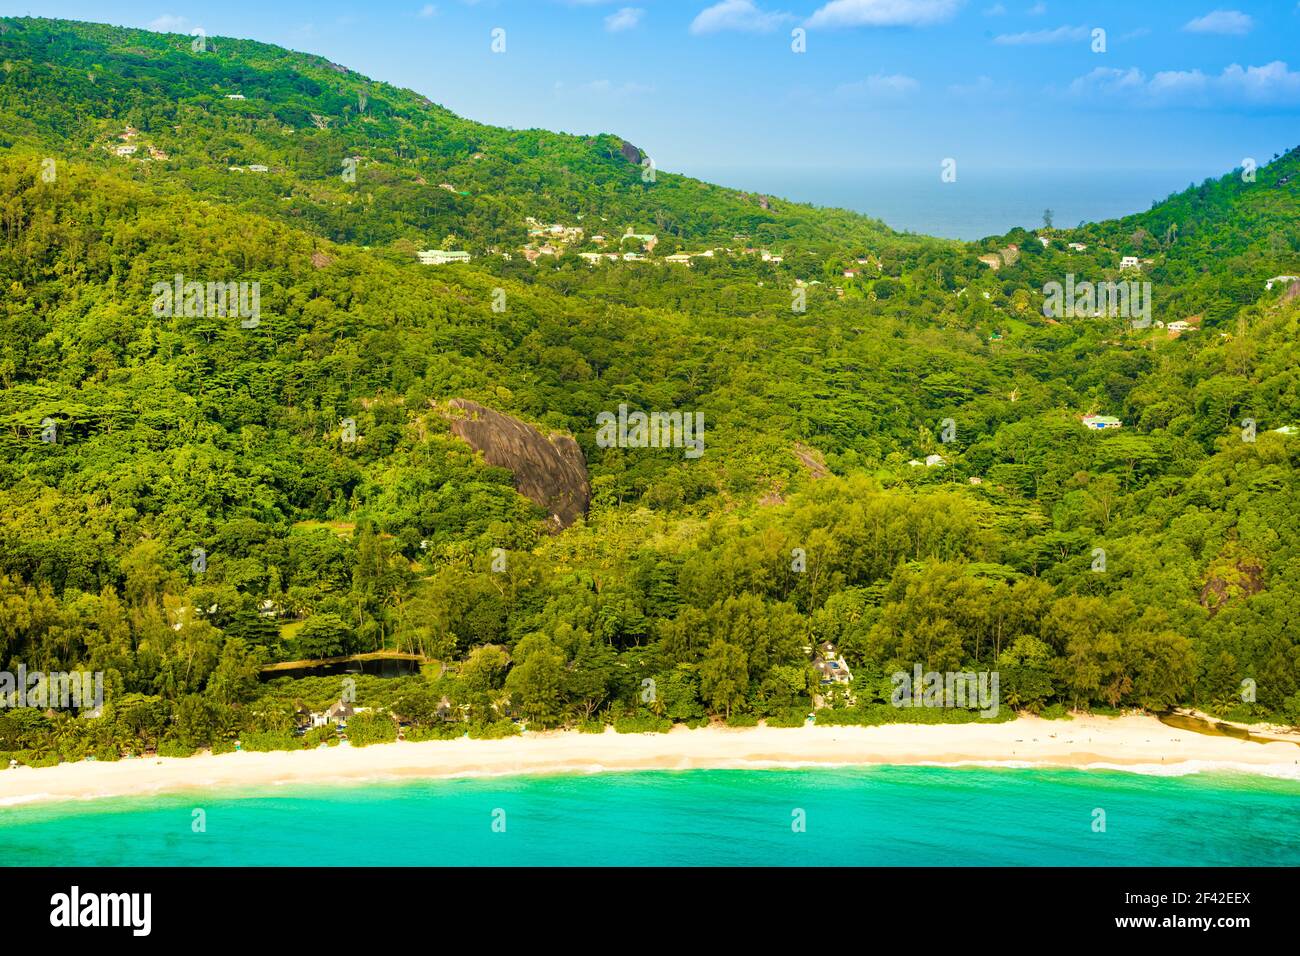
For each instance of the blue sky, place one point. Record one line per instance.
(883, 84)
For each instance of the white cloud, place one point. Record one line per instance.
(427, 11)
(1272, 84)
(883, 13)
(1105, 79)
(1037, 10)
(1272, 81)
(881, 86)
(625, 18)
(169, 23)
(739, 15)
(997, 10)
(1225, 22)
(1059, 35)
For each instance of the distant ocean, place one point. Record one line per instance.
(869, 816)
(981, 202)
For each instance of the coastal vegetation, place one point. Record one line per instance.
(180, 506)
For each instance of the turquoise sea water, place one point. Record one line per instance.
(868, 816)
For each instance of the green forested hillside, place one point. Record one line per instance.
(172, 433)
(76, 87)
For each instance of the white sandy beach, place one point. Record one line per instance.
(1136, 743)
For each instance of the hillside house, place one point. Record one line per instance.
(1282, 280)
(441, 257)
(1130, 262)
(1101, 422)
(648, 241)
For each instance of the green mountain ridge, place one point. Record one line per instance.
(1147, 566)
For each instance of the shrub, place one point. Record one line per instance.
(37, 758)
(438, 731)
(494, 731)
(372, 727)
(643, 725)
(320, 735)
(260, 741)
(789, 718)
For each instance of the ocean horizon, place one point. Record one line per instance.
(981, 202)
(879, 816)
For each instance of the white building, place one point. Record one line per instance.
(440, 257)
(1268, 286)
(1101, 422)
(1130, 262)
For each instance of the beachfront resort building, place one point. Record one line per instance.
(831, 668)
(336, 714)
(834, 678)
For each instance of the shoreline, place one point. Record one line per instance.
(1133, 743)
